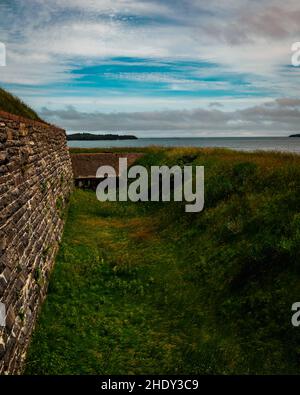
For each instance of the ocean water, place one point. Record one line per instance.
(284, 144)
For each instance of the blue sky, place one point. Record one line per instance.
(155, 68)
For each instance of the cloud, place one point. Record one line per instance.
(50, 41)
(245, 36)
(251, 20)
(215, 104)
(278, 117)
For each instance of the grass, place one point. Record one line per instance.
(141, 288)
(14, 105)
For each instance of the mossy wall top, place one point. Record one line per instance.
(14, 105)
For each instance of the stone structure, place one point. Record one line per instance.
(35, 182)
(85, 166)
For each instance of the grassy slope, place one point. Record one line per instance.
(14, 105)
(147, 288)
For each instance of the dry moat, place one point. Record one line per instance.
(147, 288)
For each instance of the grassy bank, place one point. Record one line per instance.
(14, 105)
(147, 288)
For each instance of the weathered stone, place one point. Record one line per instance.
(2, 349)
(32, 159)
(9, 135)
(3, 285)
(10, 318)
(3, 157)
(3, 241)
(23, 131)
(3, 169)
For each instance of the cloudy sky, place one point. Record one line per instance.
(156, 67)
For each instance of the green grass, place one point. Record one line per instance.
(14, 105)
(142, 288)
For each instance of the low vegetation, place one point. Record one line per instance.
(147, 288)
(14, 105)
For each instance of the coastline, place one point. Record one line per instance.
(280, 144)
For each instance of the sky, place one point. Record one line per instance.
(155, 68)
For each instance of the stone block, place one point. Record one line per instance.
(29, 154)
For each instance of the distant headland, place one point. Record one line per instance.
(95, 137)
(295, 135)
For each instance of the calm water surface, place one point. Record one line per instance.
(239, 143)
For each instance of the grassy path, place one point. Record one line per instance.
(147, 288)
(118, 301)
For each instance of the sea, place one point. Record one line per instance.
(283, 144)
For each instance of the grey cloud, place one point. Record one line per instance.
(251, 20)
(216, 104)
(279, 117)
(286, 102)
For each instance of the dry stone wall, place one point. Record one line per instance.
(35, 182)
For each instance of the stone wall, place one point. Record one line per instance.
(35, 183)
